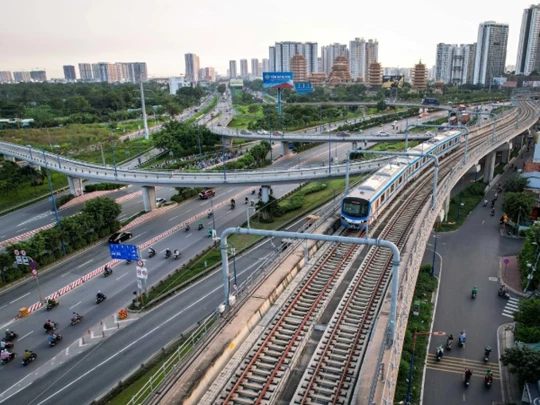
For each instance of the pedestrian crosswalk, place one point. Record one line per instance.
(511, 306)
(458, 365)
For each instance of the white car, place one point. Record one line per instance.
(382, 133)
(160, 202)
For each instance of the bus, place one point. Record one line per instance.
(431, 101)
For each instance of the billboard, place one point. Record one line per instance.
(236, 83)
(278, 80)
(531, 84)
(394, 81)
(303, 88)
(499, 81)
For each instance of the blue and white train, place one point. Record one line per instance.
(367, 201)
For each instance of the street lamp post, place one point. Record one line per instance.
(212, 211)
(416, 333)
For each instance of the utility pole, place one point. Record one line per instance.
(143, 107)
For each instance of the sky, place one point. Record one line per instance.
(48, 34)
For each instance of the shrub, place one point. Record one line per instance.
(63, 199)
(89, 188)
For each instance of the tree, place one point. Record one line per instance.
(381, 105)
(523, 362)
(103, 215)
(516, 184)
(77, 104)
(528, 321)
(518, 206)
(221, 88)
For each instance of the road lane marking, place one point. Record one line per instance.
(125, 274)
(28, 334)
(3, 306)
(85, 263)
(75, 305)
(185, 212)
(65, 274)
(174, 218)
(189, 235)
(21, 297)
(67, 351)
(22, 229)
(141, 234)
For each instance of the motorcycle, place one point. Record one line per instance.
(252, 192)
(177, 256)
(55, 325)
(107, 272)
(10, 336)
(201, 226)
(187, 228)
(461, 342)
(8, 359)
(29, 359)
(439, 355)
(56, 340)
(504, 294)
(449, 345)
(246, 201)
(232, 206)
(99, 300)
(493, 212)
(473, 294)
(209, 215)
(168, 254)
(488, 380)
(76, 319)
(467, 381)
(51, 304)
(128, 261)
(151, 254)
(8, 345)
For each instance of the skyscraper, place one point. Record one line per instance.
(232, 69)
(265, 65)
(5, 77)
(280, 56)
(528, 57)
(330, 53)
(85, 72)
(255, 67)
(21, 77)
(38, 75)
(69, 73)
(490, 56)
(362, 55)
(96, 73)
(192, 67)
(244, 72)
(454, 63)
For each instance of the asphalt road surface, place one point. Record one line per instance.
(470, 257)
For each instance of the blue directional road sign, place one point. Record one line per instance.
(303, 88)
(125, 252)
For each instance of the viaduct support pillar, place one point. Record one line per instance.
(285, 148)
(227, 143)
(489, 167)
(149, 198)
(75, 186)
(265, 193)
(446, 207)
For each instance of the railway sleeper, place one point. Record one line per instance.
(238, 400)
(295, 317)
(348, 327)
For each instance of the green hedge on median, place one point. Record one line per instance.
(89, 188)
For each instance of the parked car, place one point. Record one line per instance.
(206, 194)
(382, 133)
(120, 237)
(245, 132)
(160, 202)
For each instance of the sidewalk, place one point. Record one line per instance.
(509, 274)
(509, 382)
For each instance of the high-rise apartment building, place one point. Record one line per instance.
(5, 77)
(96, 76)
(21, 77)
(454, 63)
(192, 67)
(69, 73)
(528, 57)
(280, 56)
(38, 75)
(265, 65)
(244, 72)
(255, 68)
(298, 68)
(85, 72)
(419, 76)
(207, 74)
(490, 56)
(140, 71)
(330, 53)
(232, 69)
(362, 53)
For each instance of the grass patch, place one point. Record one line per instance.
(461, 206)
(28, 192)
(213, 255)
(425, 287)
(123, 150)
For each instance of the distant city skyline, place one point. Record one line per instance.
(68, 33)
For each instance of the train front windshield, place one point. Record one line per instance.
(355, 207)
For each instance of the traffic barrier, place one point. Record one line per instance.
(122, 314)
(23, 312)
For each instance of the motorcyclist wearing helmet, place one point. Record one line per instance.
(27, 354)
(151, 251)
(487, 350)
(100, 295)
(167, 252)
